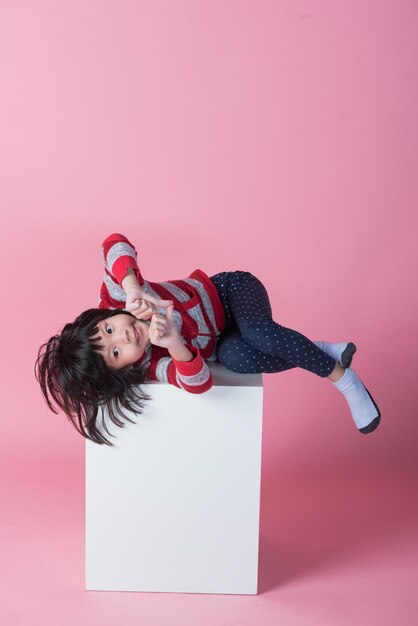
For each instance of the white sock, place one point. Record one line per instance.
(362, 406)
(333, 350)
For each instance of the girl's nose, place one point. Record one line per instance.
(125, 336)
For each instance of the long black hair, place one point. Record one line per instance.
(72, 374)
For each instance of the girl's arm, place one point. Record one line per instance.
(139, 303)
(130, 281)
(118, 256)
(185, 367)
(193, 376)
(123, 281)
(181, 353)
(163, 332)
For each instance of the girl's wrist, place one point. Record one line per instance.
(180, 352)
(130, 281)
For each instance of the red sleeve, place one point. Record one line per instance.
(118, 255)
(193, 376)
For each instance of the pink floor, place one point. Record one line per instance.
(339, 550)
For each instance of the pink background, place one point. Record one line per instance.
(276, 137)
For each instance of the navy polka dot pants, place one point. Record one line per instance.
(252, 341)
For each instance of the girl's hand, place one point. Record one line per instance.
(142, 309)
(163, 331)
(143, 305)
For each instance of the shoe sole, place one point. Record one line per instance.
(374, 423)
(347, 354)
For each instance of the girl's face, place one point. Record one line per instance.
(124, 338)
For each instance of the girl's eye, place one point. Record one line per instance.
(115, 352)
(108, 329)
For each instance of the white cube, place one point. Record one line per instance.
(174, 506)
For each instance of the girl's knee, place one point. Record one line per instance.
(255, 329)
(230, 358)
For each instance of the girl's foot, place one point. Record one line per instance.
(364, 410)
(341, 352)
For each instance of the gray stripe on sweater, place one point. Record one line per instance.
(196, 314)
(119, 249)
(115, 291)
(201, 341)
(197, 379)
(162, 309)
(161, 371)
(205, 299)
(175, 291)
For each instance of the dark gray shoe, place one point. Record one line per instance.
(374, 423)
(347, 354)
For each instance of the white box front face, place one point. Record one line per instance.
(174, 506)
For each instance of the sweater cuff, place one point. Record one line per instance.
(189, 368)
(121, 266)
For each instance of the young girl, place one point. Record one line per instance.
(167, 331)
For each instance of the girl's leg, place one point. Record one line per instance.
(257, 338)
(248, 306)
(239, 356)
(342, 352)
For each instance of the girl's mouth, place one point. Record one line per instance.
(137, 334)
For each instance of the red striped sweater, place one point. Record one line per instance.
(198, 314)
